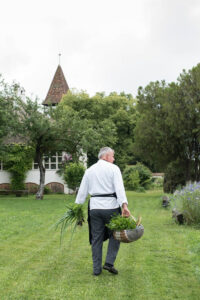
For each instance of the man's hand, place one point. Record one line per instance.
(125, 212)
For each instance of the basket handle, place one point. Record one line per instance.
(138, 222)
(133, 218)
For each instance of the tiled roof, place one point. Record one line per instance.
(57, 89)
(14, 140)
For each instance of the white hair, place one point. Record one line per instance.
(104, 151)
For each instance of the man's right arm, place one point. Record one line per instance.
(83, 190)
(120, 191)
(125, 210)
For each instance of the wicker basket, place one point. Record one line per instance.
(129, 235)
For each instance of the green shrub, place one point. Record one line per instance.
(47, 190)
(18, 160)
(132, 180)
(187, 202)
(141, 189)
(157, 183)
(136, 177)
(73, 175)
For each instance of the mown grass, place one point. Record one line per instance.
(163, 264)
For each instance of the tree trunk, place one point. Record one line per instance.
(198, 171)
(195, 168)
(188, 170)
(197, 162)
(196, 159)
(40, 191)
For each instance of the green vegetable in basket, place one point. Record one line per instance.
(118, 223)
(73, 216)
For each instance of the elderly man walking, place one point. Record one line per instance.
(103, 181)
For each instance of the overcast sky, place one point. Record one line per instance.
(106, 45)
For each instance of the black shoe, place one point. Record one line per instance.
(110, 269)
(97, 274)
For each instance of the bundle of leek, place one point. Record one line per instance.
(73, 216)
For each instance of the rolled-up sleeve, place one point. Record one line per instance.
(119, 187)
(83, 190)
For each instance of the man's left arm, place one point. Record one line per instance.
(83, 190)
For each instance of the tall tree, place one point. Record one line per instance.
(8, 96)
(40, 132)
(168, 127)
(190, 86)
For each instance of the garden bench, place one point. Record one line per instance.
(18, 193)
(5, 192)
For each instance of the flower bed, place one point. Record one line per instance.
(187, 201)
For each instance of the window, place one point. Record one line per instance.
(51, 161)
(35, 165)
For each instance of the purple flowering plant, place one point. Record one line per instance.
(187, 202)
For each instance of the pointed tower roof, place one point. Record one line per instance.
(57, 89)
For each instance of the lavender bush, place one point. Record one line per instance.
(187, 202)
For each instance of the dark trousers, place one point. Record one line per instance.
(99, 218)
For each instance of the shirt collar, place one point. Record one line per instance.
(103, 161)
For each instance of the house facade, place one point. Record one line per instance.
(52, 163)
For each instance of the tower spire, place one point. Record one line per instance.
(57, 89)
(59, 55)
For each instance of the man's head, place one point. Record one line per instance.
(107, 154)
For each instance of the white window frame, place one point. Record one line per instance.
(48, 163)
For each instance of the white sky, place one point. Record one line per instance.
(106, 45)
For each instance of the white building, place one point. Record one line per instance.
(57, 89)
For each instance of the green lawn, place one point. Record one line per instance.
(163, 264)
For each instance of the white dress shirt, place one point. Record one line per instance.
(102, 178)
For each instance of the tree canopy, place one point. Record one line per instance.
(8, 96)
(168, 128)
(108, 120)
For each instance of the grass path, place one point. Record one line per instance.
(163, 264)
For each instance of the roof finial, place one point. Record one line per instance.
(59, 57)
